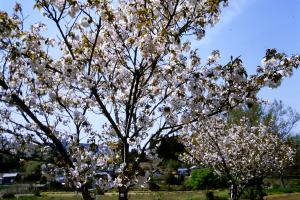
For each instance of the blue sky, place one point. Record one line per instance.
(247, 28)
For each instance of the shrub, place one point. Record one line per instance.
(153, 186)
(171, 179)
(32, 171)
(8, 196)
(54, 185)
(209, 195)
(37, 193)
(99, 191)
(283, 190)
(43, 180)
(252, 193)
(203, 179)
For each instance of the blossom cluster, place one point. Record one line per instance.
(239, 153)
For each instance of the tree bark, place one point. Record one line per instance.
(260, 190)
(123, 193)
(234, 192)
(86, 195)
(282, 180)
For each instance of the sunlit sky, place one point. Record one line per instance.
(246, 28)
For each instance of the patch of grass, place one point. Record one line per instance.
(8, 196)
(294, 196)
(171, 187)
(28, 198)
(281, 190)
(161, 195)
(2, 187)
(51, 197)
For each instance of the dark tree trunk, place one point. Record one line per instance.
(234, 193)
(86, 195)
(282, 180)
(252, 194)
(260, 190)
(123, 193)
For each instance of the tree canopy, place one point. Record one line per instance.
(244, 146)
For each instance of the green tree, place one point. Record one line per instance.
(32, 170)
(8, 163)
(281, 120)
(285, 119)
(169, 148)
(203, 179)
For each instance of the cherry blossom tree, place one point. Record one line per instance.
(243, 154)
(119, 71)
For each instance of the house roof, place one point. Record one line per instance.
(8, 175)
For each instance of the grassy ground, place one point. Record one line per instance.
(276, 193)
(282, 190)
(291, 196)
(185, 195)
(195, 195)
